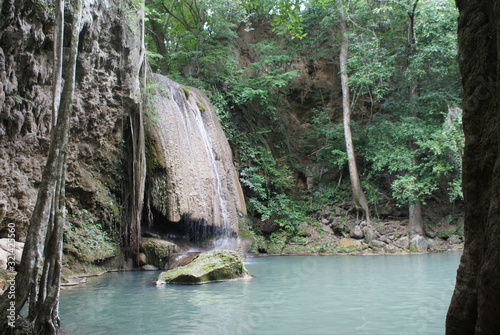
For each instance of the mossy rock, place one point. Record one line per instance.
(211, 266)
(157, 251)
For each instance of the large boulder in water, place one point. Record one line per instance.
(157, 251)
(211, 266)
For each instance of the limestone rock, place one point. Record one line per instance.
(3, 259)
(6, 250)
(211, 266)
(348, 243)
(181, 259)
(377, 244)
(157, 251)
(454, 239)
(5, 277)
(337, 225)
(370, 234)
(357, 232)
(419, 243)
(193, 175)
(402, 242)
(149, 267)
(390, 248)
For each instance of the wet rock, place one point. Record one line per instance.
(157, 251)
(357, 232)
(181, 259)
(142, 258)
(207, 267)
(402, 242)
(149, 267)
(193, 162)
(419, 243)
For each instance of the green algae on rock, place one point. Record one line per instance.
(207, 267)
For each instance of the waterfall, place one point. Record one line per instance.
(191, 178)
(223, 240)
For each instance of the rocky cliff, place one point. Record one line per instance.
(107, 94)
(192, 187)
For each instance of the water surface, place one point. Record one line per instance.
(399, 294)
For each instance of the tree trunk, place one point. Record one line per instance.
(474, 307)
(158, 35)
(415, 222)
(136, 168)
(51, 193)
(359, 198)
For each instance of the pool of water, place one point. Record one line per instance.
(399, 294)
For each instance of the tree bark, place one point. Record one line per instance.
(415, 222)
(474, 307)
(137, 165)
(360, 202)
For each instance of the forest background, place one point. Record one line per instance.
(273, 69)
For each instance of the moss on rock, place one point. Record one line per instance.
(157, 251)
(212, 266)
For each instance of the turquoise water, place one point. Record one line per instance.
(403, 294)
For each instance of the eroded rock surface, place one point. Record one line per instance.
(192, 174)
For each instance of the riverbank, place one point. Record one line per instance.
(349, 237)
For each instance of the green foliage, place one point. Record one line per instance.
(419, 157)
(86, 239)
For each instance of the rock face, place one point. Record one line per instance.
(191, 176)
(474, 307)
(107, 90)
(207, 267)
(6, 251)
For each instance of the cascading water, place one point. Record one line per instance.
(191, 177)
(224, 240)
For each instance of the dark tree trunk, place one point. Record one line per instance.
(158, 35)
(475, 307)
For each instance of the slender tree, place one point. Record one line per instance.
(44, 236)
(360, 202)
(415, 221)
